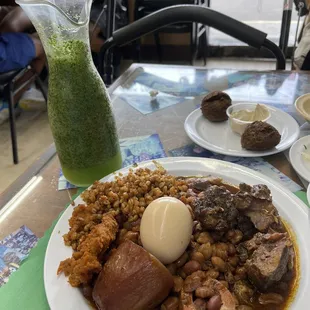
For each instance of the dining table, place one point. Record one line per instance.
(147, 99)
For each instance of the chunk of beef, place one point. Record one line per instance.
(246, 249)
(245, 187)
(261, 191)
(242, 200)
(269, 261)
(256, 203)
(201, 184)
(246, 226)
(253, 244)
(263, 214)
(215, 211)
(198, 184)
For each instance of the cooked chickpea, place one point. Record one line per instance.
(200, 304)
(212, 273)
(219, 252)
(191, 283)
(234, 236)
(204, 292)
(270, 298)
(214, 303)
(201, 274)
(191, 267)
(219, 264)
(198, 256)
(231, 250)
(204, 237)
(233, 261)
(222, 246)
(206, 250)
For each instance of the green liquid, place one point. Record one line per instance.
(80, 114)
(91, 174)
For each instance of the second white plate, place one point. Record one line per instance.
(219, 138)
(301, 166)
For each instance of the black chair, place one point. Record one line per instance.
(146, 7)
(115, 13)
(188, 13)
(11, 86)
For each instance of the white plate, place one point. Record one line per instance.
(308, 196)
(61, 296)
(301, 166)
(219, 138)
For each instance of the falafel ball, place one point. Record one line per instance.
(260, 136)
(214, 106)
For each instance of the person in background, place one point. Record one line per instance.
(98, 21)
(18, 49)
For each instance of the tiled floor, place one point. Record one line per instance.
(34, 135)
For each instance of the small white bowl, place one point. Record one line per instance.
(237, 125)
(302, 105)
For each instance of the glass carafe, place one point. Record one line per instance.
(79, 108)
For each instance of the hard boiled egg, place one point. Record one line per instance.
(166, 228)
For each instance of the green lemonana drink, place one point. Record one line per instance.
(79, 109)
(80, 114)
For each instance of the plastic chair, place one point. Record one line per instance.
(186, 13)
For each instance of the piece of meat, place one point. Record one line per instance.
(215, 211)
(242, 200)
(85, 262)
(245, 187)
(132, 279)
(262, 213)
(246, 226)
(246, 248)
(256, 203)
(253, 244)
(269, 262)
(261, 191)
(199, 184)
